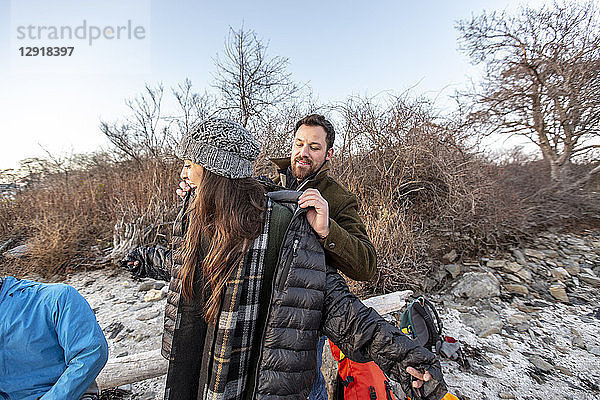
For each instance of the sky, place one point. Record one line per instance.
(55, 104)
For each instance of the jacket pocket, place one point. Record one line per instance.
(286, 267)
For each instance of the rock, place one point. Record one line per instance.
(590, 280)
(147, 396)
(148, 315)
(513, 278)
(114, 329)
(140, 336)
(139, 306)
(563, 370)
(517, 289)
(512, 267)
(552, 254)
(540, 363)
(453, 269)
(18, 252)
(520, 322)
(477, 285)
(593, 349)
(586, 270)
(519, 256)
(524, 274)
(485, 324)
(506, 395)
(560, 274)
(559, 293)
(534, 254)
(144, 287)
(576, 339)
(451, 256)
(497, 264)
(154, 295)
(572, 267)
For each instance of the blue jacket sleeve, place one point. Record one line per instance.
(85, 347)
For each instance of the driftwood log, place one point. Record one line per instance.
(150, 364)
(130, 369)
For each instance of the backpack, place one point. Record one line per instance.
(421, 322)
(357, 381)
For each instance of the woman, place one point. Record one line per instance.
(250, 293)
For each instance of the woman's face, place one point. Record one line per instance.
(191, 173)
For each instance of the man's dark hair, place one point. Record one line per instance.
(318, 120)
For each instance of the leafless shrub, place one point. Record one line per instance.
(68, 218)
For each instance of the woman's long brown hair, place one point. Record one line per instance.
(228, 215)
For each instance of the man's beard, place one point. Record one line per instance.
(301, 173)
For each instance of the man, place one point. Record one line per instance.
(334, 215)
(51, 346)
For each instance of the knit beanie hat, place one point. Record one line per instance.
(221, 146)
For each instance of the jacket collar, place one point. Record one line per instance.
(283, 165)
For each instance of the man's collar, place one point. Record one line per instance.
(284, 167)
(282, 163)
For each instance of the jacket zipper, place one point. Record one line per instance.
(264, 330)
(286, 268)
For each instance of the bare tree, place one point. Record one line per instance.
(141, 134)
(150, 132)
(192, 107)
(541, 80)
(249, 81)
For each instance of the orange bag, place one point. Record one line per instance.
(360, 381)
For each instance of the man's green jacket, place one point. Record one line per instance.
(347, 247)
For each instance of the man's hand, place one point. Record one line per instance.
(318, 214)
(424, 379)
(184, 187)
(421, 377)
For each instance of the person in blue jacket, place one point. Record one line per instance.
(51, 346)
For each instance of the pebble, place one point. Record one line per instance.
(506, 395)
(519, 256)
(590, 280)
(154, 295)
(451, 256)
(148, 315)
(593, 349)
(485, 324)
(560, 274)
(453, 269)
(139, 306)
(497, 264)
(541, 363)
(516, 289)
(512, 267)
(524, 274)
(534, 253)
(477, 285)
(148, 285)
(563, 370)
(559, 293)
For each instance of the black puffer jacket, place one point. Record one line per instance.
(309, 299)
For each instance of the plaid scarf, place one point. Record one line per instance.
(237, 320)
